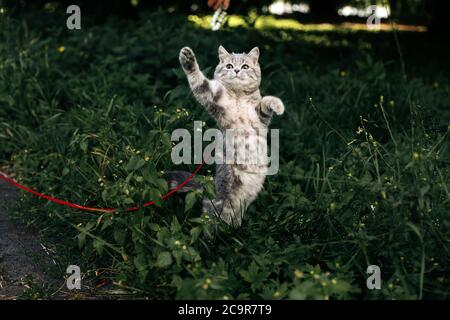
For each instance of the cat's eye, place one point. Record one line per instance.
(229, 66)
(245, 66)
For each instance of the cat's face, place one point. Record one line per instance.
(239, 72)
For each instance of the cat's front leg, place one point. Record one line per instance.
(188, 61)
(272, 104)
(268, 106)
(204, 90)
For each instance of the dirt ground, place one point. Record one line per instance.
(21, 253)
(23, 256)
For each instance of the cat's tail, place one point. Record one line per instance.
(175, 178)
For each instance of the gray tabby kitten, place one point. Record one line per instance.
(233, 99)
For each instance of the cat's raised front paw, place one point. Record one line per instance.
(275, 104)
(187, 59)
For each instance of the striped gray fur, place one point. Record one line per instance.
(233, 99)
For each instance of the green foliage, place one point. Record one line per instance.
(364, 172)
(35, 291)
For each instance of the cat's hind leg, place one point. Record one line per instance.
(212, 207)
(224, 210)
(227, 206)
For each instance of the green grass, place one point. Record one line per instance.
(364, 159)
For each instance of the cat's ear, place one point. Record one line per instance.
(254, 54)
(222, 53)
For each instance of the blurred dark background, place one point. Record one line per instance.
(431, 13)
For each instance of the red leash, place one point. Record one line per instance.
(84, 208)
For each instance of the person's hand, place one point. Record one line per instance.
(216, 4)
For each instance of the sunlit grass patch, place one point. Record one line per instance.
(261, 22)
(271, 22)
